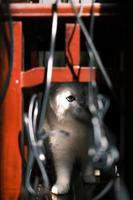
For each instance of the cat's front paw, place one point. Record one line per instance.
(60, 188)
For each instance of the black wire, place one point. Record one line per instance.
(121, 192)
(9, 45)
(92, 21)
(90, 43)
(21, 148)
(70, 62)
(104, 191)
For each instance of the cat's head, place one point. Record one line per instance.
(69, 100)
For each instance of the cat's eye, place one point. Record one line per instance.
(70, 98)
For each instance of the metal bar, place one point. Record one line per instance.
(44, 10)
(11, 125)
(36, 76)
(72, 41)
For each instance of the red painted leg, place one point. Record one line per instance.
(11, 125)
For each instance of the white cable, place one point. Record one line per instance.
(49, 66)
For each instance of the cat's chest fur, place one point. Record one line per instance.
(71, 133)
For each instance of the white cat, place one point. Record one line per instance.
(68, 122)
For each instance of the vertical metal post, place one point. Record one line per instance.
(72, 41)
(11, 125)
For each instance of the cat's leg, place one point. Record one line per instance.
(63, 169)
(63, 155)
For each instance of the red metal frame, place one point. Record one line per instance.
(36, 76)
(39, 10)
(11, 109)
(11, 125)
(72, 43)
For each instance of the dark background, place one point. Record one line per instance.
(113, 37)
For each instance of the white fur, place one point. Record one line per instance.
(69, 138)
(61, 103)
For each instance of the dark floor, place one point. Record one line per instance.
(107, 183)
(82, 191)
